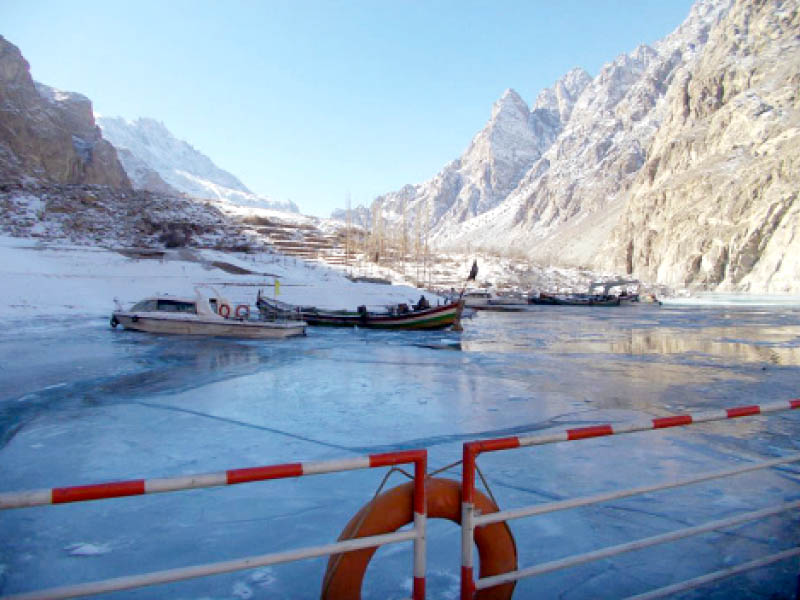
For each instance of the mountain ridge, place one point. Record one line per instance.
(150, 152)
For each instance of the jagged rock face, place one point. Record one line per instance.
(154, 158)
(603, 141)
(561, 98)
(716, 205)
(495, 161)
(49, 135)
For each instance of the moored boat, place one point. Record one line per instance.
(400, 316)
(575, 300)
(202, 315)
(476, 298)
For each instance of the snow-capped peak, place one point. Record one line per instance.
(148, 142)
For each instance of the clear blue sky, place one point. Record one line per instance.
(314, 100)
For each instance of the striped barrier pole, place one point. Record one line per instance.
(471, 450)
(136, 487)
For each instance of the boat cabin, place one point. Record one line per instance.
(165, 305)
(202, 304)
(477, 298)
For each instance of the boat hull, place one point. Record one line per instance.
(437, 317)
(431, 319)
(223, 328)
(574, 301)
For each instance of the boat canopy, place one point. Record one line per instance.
(607, 285)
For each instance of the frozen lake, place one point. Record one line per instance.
(82, 403)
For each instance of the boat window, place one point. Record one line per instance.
(144, 306)
(176, 306)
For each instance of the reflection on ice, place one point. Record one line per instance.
(760, 346)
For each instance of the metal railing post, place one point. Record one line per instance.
(420, 525)
(467, 518)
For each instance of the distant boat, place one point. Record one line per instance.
(202, 315)
(499, 303)
(400, 316)
(625, 297)
(575, 300)
(476, 298)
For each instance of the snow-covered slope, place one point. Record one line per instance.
(146, 146)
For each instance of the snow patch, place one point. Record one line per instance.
(87, 549)
(264, 577)
(242, 590)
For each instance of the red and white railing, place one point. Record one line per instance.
(137, 487)
(470, 520)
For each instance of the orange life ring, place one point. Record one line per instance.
(242, 311)
(394, 509)
(224, 311)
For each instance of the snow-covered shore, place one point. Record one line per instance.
(63, 279)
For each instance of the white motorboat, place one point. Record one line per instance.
(476, 298)
(202, 315)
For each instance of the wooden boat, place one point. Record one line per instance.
(575, 300)
(202, 315)
(395, 317)
(506, 303)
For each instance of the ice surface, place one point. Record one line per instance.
(83, 403)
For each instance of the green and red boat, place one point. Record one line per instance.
(400, 316)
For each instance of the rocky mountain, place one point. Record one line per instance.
(716, 203)
(47, 135)
(565, 206)
(154, 158)
(495, 161)
(676, 163)
(61, 180)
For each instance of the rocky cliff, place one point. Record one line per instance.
(48, 135)
(716, 203)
